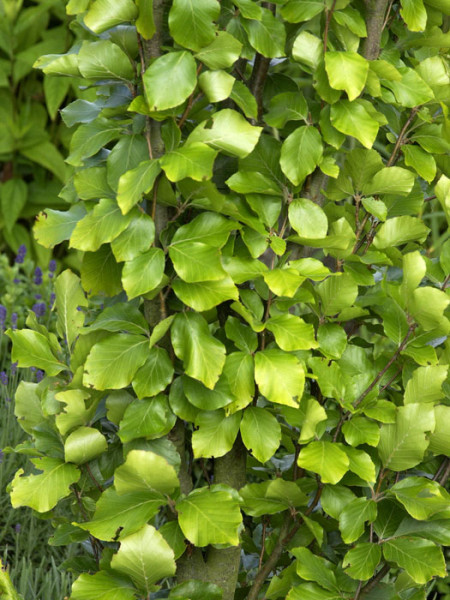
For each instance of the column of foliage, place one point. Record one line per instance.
(258, 408)
(31, 165)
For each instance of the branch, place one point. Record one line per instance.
(259, 73)
(373, 582)
(401, 135)
(376, 10)
(380, 374)
(329, 14)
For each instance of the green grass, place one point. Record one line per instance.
(31, 562)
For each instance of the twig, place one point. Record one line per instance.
(430, 198)
(380, 374)
(373, 582)
(401, 135)
(95, 482)
(446, 475)
(263, 543)
(327, 25)
(445, 282)
(391, 380)
(388, 12)
(190, 103)
(359, 231)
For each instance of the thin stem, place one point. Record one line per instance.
(446, 475)
(95, 482)
(329, 14)
(391, 380)
(373, 582)
(358, 245)
(445, 283)
(401, 135)
(263, 543)
(380, 374)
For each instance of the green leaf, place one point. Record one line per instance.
(230, 133)
(420, 558)
(308, 49)
(196, 261)
(113, 362)
(32, 349)
(390, 180)
(154, 375)
(216, 85)
(145, 471)
(335, 498)
(13, 194)
(352, 118)
(53, 226)
(337, 293)
(353, 517)
(104, 60)
(191, 23)
(427, 306)
(204, 398)
(127, 154)
(249, 182)
(28, 409)
(215, 435)
(271, 497)
(195, 161)
(403, 444)
(399, 230)
(47, 155)
(242, 96)
(124, 513)
(288, 106)
(308, 219)
(361, 561)
(332, 340)
(101, 225)
(283, 282)
(145, 557)
(300, 154)
(103, 586)
(440, 437)
(267, 36)
(205, 295)
(377, 208)
(100, 272)
(425, 384)
(361, 464)
(326, 459)
(279, 376)
(347, 71)
(291, 332)
(359, 430)
(43, 491)
(170, 80)
(202, 354)
(412, 90)
(421, 497)
(150, 418)
(58, 64)
(84, 444)
(75, 412)
(145, 23)
(243, 337)
(133, 184)
(196, 590)
(136, 239)
(312, 591)
(261, 433)
(102, 15)
(90, 138)
(222, 53)
(422, 162)
(209, 228)
(91, 183)
(143, 273)
(69, 295)
(296, 11)
(209, 517)
(314, 568)
(119, 317)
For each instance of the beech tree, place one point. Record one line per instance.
(246, 396)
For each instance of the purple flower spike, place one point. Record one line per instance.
(3, 313)
(4, 378)
(39, 375)
(14, 321)
(52, 299)
(16, 280)
(37, 276)
(21, 253)
(17, 527)
(52, 266)
(13, 368)
(39, 309)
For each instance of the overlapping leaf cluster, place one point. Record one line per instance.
(251, 193)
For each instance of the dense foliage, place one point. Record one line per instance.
(254, 404)
(31, 132)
